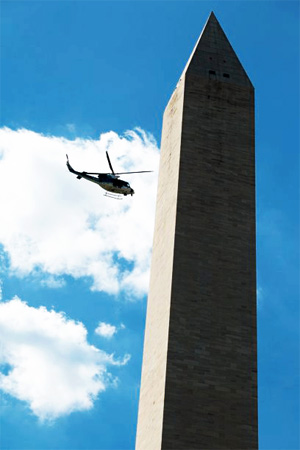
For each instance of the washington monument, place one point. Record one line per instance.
(199, 374)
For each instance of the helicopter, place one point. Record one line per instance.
(111, 182)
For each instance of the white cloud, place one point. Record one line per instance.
(54, 223)
(106, 330)
(53, 368)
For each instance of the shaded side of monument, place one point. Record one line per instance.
(199, 374)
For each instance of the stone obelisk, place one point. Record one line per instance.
(199, 374)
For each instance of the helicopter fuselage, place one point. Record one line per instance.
(107, 181)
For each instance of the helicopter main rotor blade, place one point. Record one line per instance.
(112, 170)
(95, 173)
(140, 171)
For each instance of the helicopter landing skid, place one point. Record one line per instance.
(115, 196)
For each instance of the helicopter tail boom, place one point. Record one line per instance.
(69, 166)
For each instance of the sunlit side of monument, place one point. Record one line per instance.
(199, 375)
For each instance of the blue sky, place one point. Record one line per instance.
(75, 76)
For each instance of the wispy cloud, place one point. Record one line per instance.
(54, 223)
(53, 367)
(71, 127)
(259, 296)
(52, 282)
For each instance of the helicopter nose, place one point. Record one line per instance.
(132, 191)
